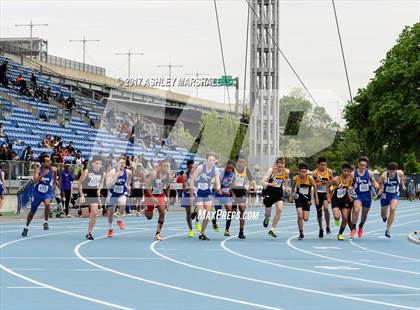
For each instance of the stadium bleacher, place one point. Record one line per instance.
(28, 130)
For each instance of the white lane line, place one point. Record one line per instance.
(26, 269)
(54, 288)
(24, 287)
(384, 295)
(312, 291)
(199, 293)
(384, 253)
(223, 245)
(289, 243)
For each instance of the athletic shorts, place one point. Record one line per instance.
(304, 204)
(91, 197)
(386, 199)
(185, 200)
(365, 201)
(137, 193)
(40, 198)
(341, 205)
(272, 198)
(240, 196)
(149, 201)
(222, 200)
(322, 197)
(204, 196)
(1, 191)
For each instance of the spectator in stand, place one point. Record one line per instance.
(48, 92)
(2, 135)
(69, 149)
(47, 141)
(5, 152)
(3, 78)
(79, 159)
(70, 103)
(33, 82)
(60, 99)
(56, 157)
(28, 155)
(66, 178)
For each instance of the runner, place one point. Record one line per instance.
(243, 184)
(137, 192)
(323, 175)
(302, 185)
(45, 180)
(157, 192)
(225, 196)
(185, 202)
(65, 185)
(2, 185)
(90, 186)
(202, 179)
(389, 190)
(274, 182)
(119, 181)
(363, 180)
(341, 199)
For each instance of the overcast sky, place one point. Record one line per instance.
(185, 33)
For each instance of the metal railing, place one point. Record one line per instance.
(75, 65)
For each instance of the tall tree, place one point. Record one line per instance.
(386, 114)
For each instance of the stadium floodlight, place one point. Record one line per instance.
(129, 54)
(31, 25)
(84, 40)
(170, 66)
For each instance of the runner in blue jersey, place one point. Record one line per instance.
(45, 180)
(389, 190)
(185, 201)
(2, 185)
(201, 185)
(119, 181)
(363, 181)
(225, 196)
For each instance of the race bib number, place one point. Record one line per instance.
(278, 182)
(157, 191)
(322, 189)
(118, 189)
(304, 190)
(225, 190)
(383, 196)
(391, 189)
(341, 192)
(137, 184)
(43, 188)
(364, 187)
(94, 182)
(239, 181)
(172, 186)
(203, 186)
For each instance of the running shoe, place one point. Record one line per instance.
(321, 233)
(110, 233)
(272, 233)
(203, 237)
(301, 236)
(340, 237)
(158, 237)
(120, 224)
(89, 237)
(116, 213)
(25, 232)
(194, 214)
(352, 233)
(227, 233)
(384, 219)
(191, 233)
(241, 235)
(337, 223)
(46, 227)
(266, 221)
(215, 227)
(328, 230)
(360, 232)
(387, 233)
(198, 226)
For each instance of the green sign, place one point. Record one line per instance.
(225, 80)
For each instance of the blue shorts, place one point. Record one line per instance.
(185, 200)
(1, 191)
(386, 199)
(223, 200)
(365, 201)
(113, 200)
(40, 198)
(204, 196)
